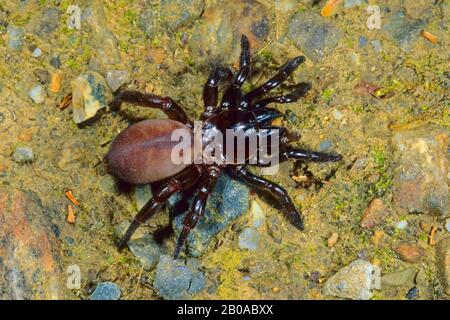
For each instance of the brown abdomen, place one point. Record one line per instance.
(142, 152)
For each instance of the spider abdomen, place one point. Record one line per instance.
(142, 152)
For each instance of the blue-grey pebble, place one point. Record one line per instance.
(106, 291)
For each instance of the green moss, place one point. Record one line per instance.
(326, 95)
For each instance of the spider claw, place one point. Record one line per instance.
(245, 44)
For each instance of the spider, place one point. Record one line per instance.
(141, 153)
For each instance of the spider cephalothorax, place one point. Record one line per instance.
(143, 152)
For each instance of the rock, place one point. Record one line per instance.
(42, 76)
(412, 293)
(443, 263)
(362, 41)
(117, 78)
(106, 291)
(101, 38)
(142, 194)
(217, 35)
(399, 278)
(352, 282)
(148, 21)
(44, 23)
(249, 239)
(179, 13)
(332, 240)
(146, 250)
(178, 279)
(420, 171)
(119, 230)
(37, 94)
(313, 34)
(352, 3)
(447, 225)
(36, 53)
(16, 38)
(408, 252)
(274, 229)
(376, 45)
(402, 30)
(375, 214)
(325, 146)
(228, 201)
(337, 115)
(30, 265)
(257, 214)
(55, 62)
(90, 93)
(401, 225)
(108, 185)
(23, 155)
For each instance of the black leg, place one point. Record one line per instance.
(166, 104)
(276, 80)
(179, 182)
(306, 155)
(206, 185)
(276, 191)
(210, 90)
(300, 90)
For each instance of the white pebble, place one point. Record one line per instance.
(401, 224)
(447, 225)
(36, 53)
(337, 114)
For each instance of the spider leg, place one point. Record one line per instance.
(179, 182)
(276, 80)
(300, 90)
(307, 155)
(206, 185)
(166, 104)
(276, 191)
(210, 90)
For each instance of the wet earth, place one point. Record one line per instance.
(377, 223)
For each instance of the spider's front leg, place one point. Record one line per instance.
(300, 90)
(179, 182)
(210, 90)
(197, 210)
(277, 192)
(165, 104)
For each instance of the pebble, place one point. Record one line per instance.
(401, 225)
(352, 3)
(23, 155)
(42, 75)
(146, 250)
(106, 291)
(332, 240)
(274, 229)
(175, 14)
(117, 78)
(362, 41)
(408, 252)
(178, 279)
(16, 38)
(55, 62)
(228, 201)
(399, 278)
(147, 22)
(412, 293)
(141, 195)
(313, 34)
(258, 216)
(37, 94)
(447, 225)
(402, 30)
(375, 214)
(248, 239)
(376, 45)
(90, 93)
(337, 115)
(443, 263)
(45, 22)
(325, 146)
(351, 282)
(36, 53)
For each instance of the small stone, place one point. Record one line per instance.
(55, 84)
(332, 240)
(142, 194)
(121, 228)
(274, 229)
(117, 78)
(325, 146)
(146, 250)
(410, 252)
(106, 291)
(399, 278)
(443, 263)
(447, 225)
(108, 185)
(55, 62)
(90, 93)
(375, 214)
(147, 22)
(352, 3)
(402, 30)
(258, 216)
(248, 239)
(178, 279)
(313, 34)
(352, 282)
(36, 94)
(23, 155)
(45, 22)
(376, 45)
(42, 75)
(16, 38)
(425, 226)
(337, 114)
(401, 225)
(412, 293)
(36, 53)
(175, 14)
(362, 41)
